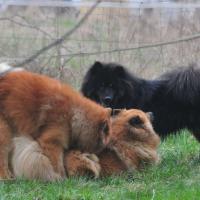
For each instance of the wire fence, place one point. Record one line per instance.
(148, 38)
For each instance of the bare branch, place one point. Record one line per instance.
(61, 39)
(26, 25)
(144, 46)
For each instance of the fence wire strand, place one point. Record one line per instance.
(64, 41)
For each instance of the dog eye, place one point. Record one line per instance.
(135, 121)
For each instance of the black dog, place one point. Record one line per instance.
(174, 98)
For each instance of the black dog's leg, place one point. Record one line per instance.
(196, 134)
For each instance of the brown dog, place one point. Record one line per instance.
(133, 144)
(51, 113)
(28, 160)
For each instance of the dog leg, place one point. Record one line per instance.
(53, 141)
(196, 135)
(81, 164)
(5, 147)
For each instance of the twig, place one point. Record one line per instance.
(144, 46)
(26, 25)
(59, 40)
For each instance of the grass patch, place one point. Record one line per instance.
(176, 177)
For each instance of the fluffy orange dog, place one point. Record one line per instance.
(133, 144)
(51, 113)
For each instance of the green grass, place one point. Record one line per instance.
(176, 177)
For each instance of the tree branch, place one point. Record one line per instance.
(59, 40)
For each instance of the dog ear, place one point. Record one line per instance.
(116, 112)
(96, 67)
(150, 116)
(119, 70)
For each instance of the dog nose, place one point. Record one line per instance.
(107, 100)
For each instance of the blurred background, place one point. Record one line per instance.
(149, 37)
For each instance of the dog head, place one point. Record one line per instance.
(133, 126)
(133, 138)
(91, 127)
(106, 84)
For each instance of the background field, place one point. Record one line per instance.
(177, 177)
(26, 29)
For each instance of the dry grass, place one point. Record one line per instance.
(24, 30)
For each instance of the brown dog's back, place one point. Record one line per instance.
(53, 114)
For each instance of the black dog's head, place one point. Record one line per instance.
(106, 84)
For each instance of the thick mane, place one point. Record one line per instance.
(183, 84)
(173, 97)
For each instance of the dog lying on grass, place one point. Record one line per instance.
(133, 144)
(51, 113)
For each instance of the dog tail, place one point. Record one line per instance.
(183, 85)
(29, 162)
(5, 68)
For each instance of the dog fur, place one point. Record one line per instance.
(51, 113)
(173, 98)
(133, 144)
(28, 160)
(81, 164)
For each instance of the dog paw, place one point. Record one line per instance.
(5, 175)
(92, 157)
(82, 164)
(92, 164)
